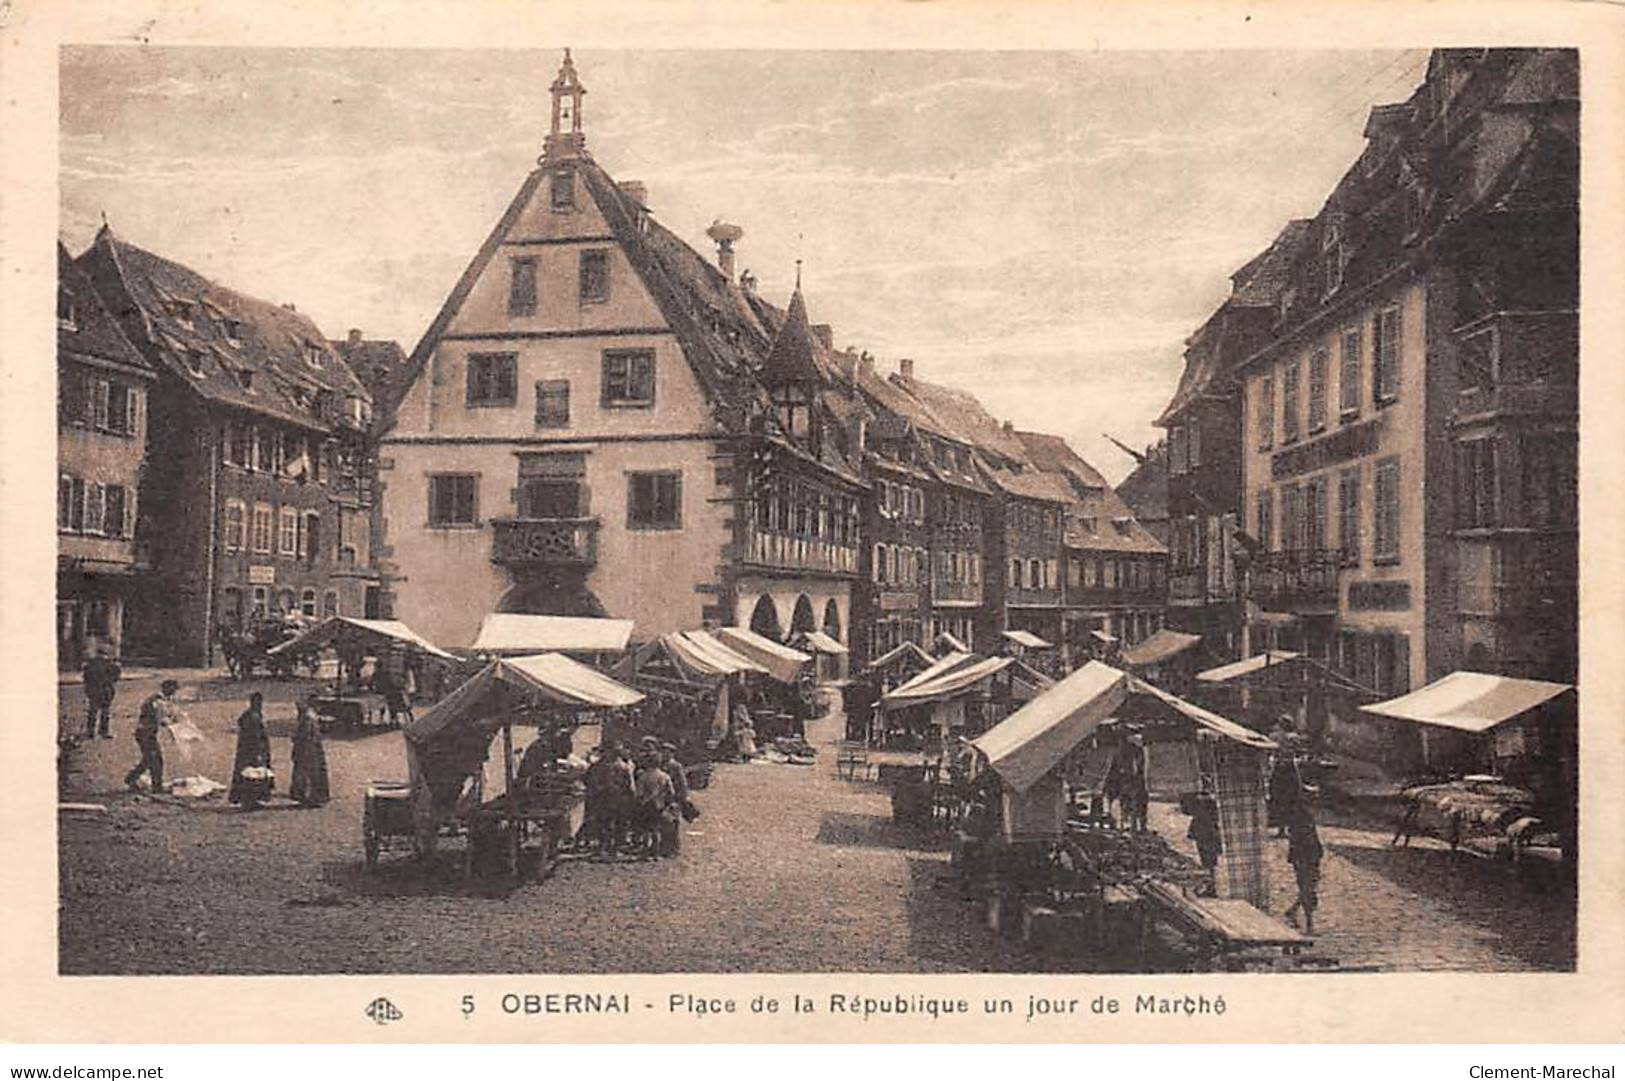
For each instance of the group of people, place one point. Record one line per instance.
(252, 775)
(637, 801)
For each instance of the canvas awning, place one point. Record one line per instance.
(933, 670)
(1470, 701)
(1027, 639)
(1103, 638)
(701, 653)
(1161, 646)
(819, 642)
(1226, 673)
(1033, 740)
(508, 632)
(781, 662)
(931, 687)
(950, 643)
(503, 687)
(907, 650)
(373, 631)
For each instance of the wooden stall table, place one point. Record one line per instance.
(1221, 926)
(350, 713)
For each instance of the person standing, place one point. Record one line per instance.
(253, 753)
(679, 782)
(1304, 852)
(1204, 831)
(308, 785)
(156, 712)
(101, 671)
(656, 818)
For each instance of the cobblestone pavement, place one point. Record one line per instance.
(789, 869)
(1419, 908)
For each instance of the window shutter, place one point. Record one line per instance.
(473, 388)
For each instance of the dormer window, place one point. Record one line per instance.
(313, 354)
(245, 378)
(66, 316)
(234, 331)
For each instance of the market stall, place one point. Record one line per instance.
(448, 746)
(780, 661)
(515, 634)
(1515, 741)
(826, 652)
(404, 660)
(944, 644)
(1031, 769)
(899, 664)
(691, 670)
(1165, 658)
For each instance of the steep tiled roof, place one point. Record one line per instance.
(1145, 490)
(227, 346)
(94, 332)
(381, 365)
(1033, 484)
(1053, 454)
(1260, 281)
(1115, 527)
(960, 413)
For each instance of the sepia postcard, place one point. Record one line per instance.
(760, 523)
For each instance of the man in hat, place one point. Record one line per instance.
(101, 671)
(1136, 787)
(158, 711)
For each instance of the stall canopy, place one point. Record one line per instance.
(908, 651)
(819, 642)
(1228, 673)
(944, 681)
(1103, 638)
(702, 654)
(1160, 647)
(781, 662)
(374, 632)
(1027, 639)
(501, 688)
(1470, 701)
(948, 642)
(507, 632)
(1033, 740)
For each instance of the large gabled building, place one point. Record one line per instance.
(102, 408)
(601, 422)
(254, 499)
(1410, 425)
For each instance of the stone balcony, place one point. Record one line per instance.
(544, 542)
(1296, 581)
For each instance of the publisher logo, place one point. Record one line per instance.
(382, 1011)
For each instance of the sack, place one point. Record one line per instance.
(690, 812)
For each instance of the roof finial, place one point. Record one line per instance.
(798, 274)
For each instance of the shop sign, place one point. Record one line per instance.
(894, 602)
(262, 575)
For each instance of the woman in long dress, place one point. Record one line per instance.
(253, 753)
(309, 784)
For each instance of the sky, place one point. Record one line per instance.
(1042, 229)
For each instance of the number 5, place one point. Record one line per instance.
(468, 1006)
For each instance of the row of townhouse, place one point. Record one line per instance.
(600, 421)
(1372, 454)
(213, 456)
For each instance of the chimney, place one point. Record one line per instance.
(826, 334)
(849, 365)
(1009, 428)
(747, 282)
(355, 336)
(867, 362)
(725, 233)
(635, 190)
(905, 368)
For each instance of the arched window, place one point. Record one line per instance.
(307, 602)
